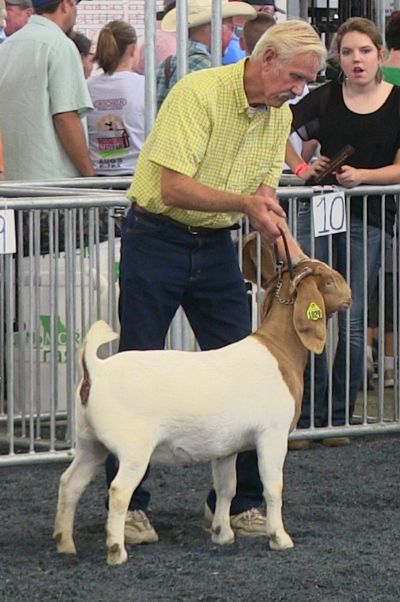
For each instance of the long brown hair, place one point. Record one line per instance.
(360, 25)
(114, 39)
(367, 27)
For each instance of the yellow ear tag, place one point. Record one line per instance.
(314, 312)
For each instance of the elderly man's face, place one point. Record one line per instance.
(283, 81)
(16, 18)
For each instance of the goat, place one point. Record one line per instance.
(175, 405)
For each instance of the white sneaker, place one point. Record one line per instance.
(138, 528)
(251, 523)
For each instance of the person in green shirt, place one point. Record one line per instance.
(391, 68)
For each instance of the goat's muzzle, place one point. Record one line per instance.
(346, 304)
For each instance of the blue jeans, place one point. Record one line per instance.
(341, 388)
(162, 268)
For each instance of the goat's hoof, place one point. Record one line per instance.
(281, 542)
(116, 555)
(64, 545)
(222, 538)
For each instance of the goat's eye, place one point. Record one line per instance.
(329, 282)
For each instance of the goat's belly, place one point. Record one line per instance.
(199, 448)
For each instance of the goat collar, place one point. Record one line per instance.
(288, 258)
(294, 282)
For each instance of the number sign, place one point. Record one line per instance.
(329, 211)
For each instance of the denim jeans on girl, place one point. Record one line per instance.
(341, 388)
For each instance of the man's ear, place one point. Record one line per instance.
(268, 57)
(64, 5)
(249, 260)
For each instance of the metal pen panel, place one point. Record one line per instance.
(64, 276)
(182, 38)
(216, 29)
(150, 10)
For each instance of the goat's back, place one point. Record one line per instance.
(225, 395)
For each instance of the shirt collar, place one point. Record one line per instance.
(195, 47)
(238, 82)
(240, 94)
(44, 22)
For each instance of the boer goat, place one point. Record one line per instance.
(173, 405)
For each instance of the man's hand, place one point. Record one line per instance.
(268, 217)
(266, 214)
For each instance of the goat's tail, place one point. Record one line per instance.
(98, 334)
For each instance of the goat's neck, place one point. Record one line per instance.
(278, 333)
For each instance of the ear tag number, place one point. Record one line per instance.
(314, 312)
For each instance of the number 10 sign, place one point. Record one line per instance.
(329, 211)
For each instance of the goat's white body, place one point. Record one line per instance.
(190, 406)
(171, 405)
(180, 406)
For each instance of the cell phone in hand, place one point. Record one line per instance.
(337, 161)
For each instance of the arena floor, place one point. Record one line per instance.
(342, 508)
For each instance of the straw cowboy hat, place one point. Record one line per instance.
(200, 12)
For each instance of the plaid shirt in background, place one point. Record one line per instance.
(199, 57)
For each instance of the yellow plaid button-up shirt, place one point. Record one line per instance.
(206, 129)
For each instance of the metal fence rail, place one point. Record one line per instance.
(64, 276)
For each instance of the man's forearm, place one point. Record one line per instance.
(178, 190)
(184, 192)
(71, 134)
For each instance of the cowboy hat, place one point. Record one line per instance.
(200, 13)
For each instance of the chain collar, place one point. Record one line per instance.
(289, 300)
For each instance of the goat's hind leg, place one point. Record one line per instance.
(132, 467)
(271, 457)
(89, 456)
(224, 476)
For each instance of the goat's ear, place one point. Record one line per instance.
(249, 257)
(249, 265)
(309, 315)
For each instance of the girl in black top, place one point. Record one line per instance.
(364, 111)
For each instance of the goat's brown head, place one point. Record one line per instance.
(319, 291)
(316, 291)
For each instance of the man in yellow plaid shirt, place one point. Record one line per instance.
(215, 153)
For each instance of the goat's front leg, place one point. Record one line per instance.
(73, 482)
(224, 476)
(132, 466)
(271, 452)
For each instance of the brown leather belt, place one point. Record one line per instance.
(195, 230)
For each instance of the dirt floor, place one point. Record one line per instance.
(342, 508)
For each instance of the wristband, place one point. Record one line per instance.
(300, 168)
